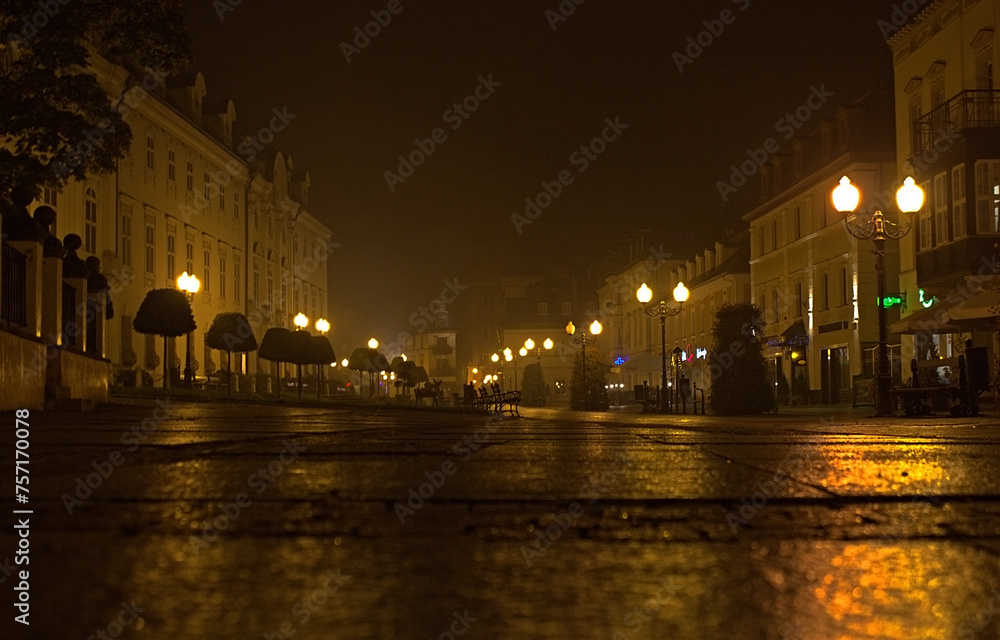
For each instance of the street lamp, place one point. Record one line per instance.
(878, 229)
(644, 294)
(190, 286)
(529, 344)
(322, 325)
(595, 330)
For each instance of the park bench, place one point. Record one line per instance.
(509, 399)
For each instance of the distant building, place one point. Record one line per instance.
(813, 280)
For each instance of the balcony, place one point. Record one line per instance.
(972, 109)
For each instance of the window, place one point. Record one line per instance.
(988, 196)
(222, 275)
(941, 221)
(958, 202)
(843, 286)
(90, 224)
(189, 180)
(208, 187)
(984, 69)
(150, 153)
(189, 257)
(256, 280)
(916, 112)
(775, 305)
(236, 203)
(171, 165)
(222, 196)
(925, 228)
(237, 280)
(126, 241)
(543, 308)
(567, 308)
(150, 249)
(207, 282)
(171, 253)
(270, 283)
(50, 197)
(937, 93)
(799, 302)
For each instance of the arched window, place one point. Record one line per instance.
(90, 228)
(256, 281)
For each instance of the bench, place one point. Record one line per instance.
(509, 399)
(973, 380)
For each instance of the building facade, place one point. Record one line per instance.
(189, 196)
(948, 138)
(814, 281)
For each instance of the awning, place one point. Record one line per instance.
(981, 310)
(934, 320)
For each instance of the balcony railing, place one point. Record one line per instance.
(972, 109)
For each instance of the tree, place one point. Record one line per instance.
(321, 354)
(167, 313)
(56, 118)
(370, 360)
(740, 383)
(231, 332)
(276, 347)
(593, 396)
(533, 385)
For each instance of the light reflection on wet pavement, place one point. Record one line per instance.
(270, 522)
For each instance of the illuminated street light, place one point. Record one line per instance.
(878, 229)
(595, 330)
(301, 321)
(190, 286)
(322, 325)
(373, 344)
(662, 311)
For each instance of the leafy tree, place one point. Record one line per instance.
(276, 347)
(533, 385)
(370, 360)
(231, 332)
(593, 396)
(740, 383)
(167, 313)
(55, 117)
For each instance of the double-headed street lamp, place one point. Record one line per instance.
(189, 285)
(595, 330)
(662, 311)
(878, 229)
(529, 344)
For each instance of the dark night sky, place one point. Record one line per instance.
(610, 58)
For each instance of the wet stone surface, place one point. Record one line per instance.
(240, 522)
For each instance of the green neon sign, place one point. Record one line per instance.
(926, 301)
(892, 300)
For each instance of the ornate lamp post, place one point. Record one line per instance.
(529, 344)
(595, 330)
(644, 294)
(190, 286)
(322, 325)
(878, 229)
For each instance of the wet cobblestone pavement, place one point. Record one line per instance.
(223, 521)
